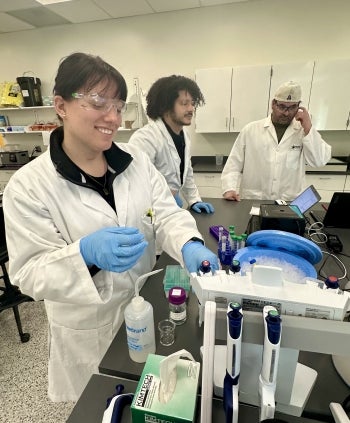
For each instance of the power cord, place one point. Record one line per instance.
(318, 236)
(338, 261)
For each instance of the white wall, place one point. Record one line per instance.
(148, 47)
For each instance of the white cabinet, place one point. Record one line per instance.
(326, 184)
(250, 95)
(208, 184)
(330, 95)
(347, 183)
(215, 85)
(5, 176)
(234, 96)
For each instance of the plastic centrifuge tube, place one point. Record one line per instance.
(221, 231)
(244, 239)
(239, 242)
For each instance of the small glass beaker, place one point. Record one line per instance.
(166, 332)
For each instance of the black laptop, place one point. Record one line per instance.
(338, 212)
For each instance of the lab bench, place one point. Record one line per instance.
(327, 179)
(329, 386)
(92, 403)
(339, 165)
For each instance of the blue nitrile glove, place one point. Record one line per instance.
(116, 249)
(198, 207)
(194, 253)
(178, 200)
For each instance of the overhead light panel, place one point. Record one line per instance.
(46, 2)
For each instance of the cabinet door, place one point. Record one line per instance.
(208, 184)
(326, 184)
(250, 95)
(215, 84)
(5, 176)
(300, 72)
(330, 95)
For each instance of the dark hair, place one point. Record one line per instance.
(80, 70)
(164, 92)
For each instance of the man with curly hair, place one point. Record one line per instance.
(171, 104)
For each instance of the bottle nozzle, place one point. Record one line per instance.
(141, 278)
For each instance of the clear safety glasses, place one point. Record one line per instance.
(100, 104)
(283, 108)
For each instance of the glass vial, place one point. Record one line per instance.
(177, 305)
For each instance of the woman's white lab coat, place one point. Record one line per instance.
(46, 215)
(259, 167)
(155, 140)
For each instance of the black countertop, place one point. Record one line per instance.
(91, 405)
(206, 164)
(116, 362)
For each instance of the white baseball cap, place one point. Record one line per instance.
(289, 92)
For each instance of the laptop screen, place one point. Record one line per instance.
(338, 212)
(306, 199)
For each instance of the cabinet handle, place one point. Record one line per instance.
(233, 122)
(226, 123)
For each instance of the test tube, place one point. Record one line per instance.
(221, 231)
(239, 241)
(244, 239)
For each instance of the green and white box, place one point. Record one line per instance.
(178, 404)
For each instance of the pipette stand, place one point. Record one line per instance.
(294, 380)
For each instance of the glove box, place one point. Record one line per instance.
(14, 158)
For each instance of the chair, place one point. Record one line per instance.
(12, 296)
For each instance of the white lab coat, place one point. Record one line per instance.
(155, 140)
(46, 215)
(259, 167)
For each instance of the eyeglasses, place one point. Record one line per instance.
(186, 103)
(283, 108)
(100, 104)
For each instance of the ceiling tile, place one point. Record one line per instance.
(20, 15)
(167, 5)
(123, 8)
(79, 11)
(9, 5)
(39, 17)
(218, 2)
(11, 24)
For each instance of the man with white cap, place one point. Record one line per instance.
(267, 160)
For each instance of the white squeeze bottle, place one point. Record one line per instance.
(139, 322)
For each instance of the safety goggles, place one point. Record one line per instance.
(95, 102)
(283, 108)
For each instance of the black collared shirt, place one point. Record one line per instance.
(117, 159)
(179, 141)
